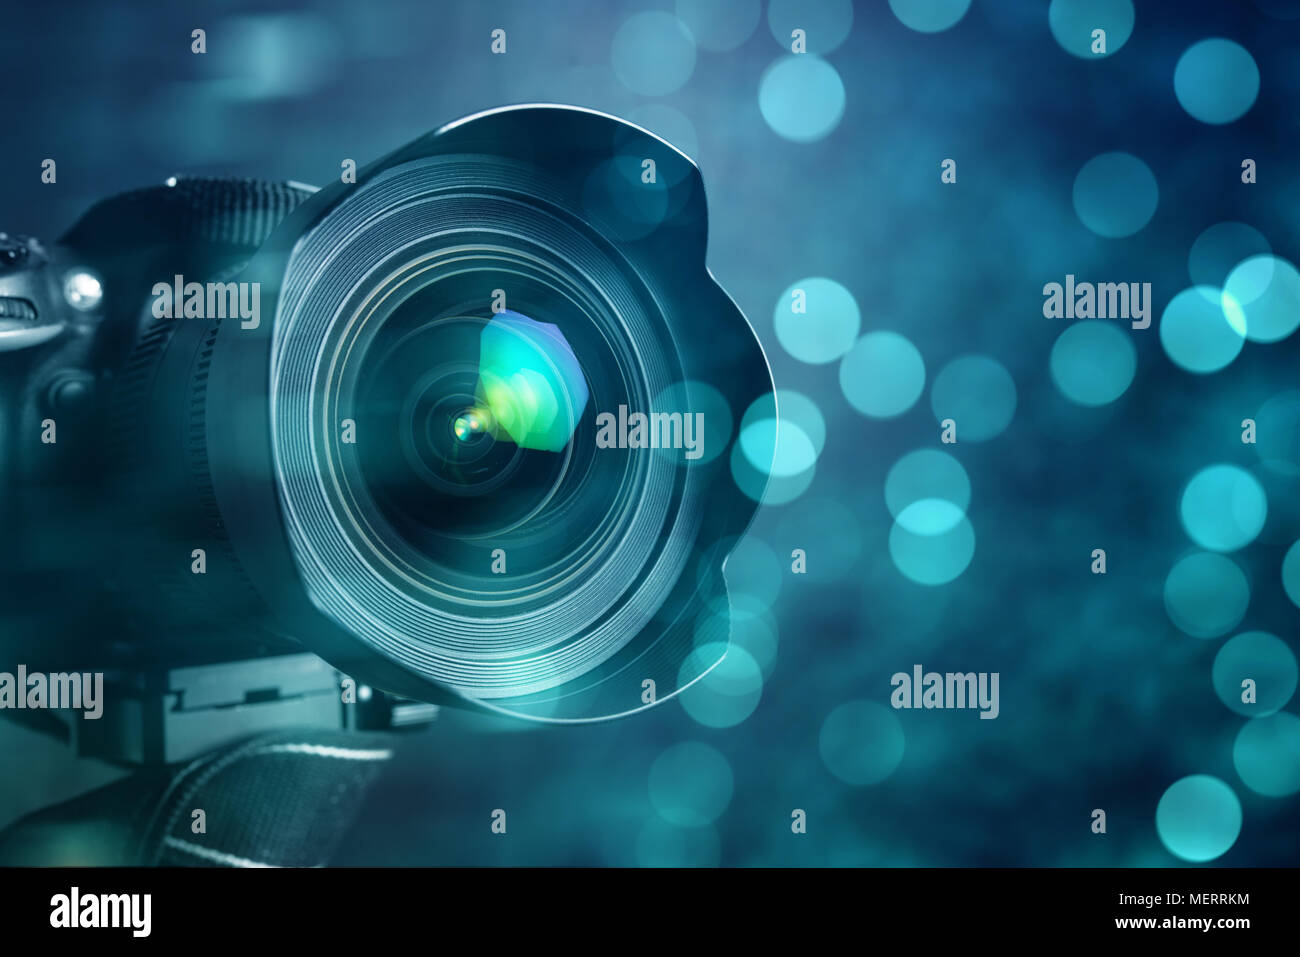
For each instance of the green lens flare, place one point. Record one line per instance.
(530, 382)
(472, 424)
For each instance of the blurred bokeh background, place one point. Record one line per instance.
(925, 302)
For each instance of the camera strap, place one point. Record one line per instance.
(282, 799)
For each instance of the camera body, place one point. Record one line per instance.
(92, 505)
(249, 424)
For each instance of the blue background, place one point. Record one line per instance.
(1104, 702)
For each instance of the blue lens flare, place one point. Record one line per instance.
(531, 382)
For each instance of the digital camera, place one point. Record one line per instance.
(459, 425)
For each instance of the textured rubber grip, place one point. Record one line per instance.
(227, 212)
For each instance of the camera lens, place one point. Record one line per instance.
(452, 337)
(491, 559)
(435, 481)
